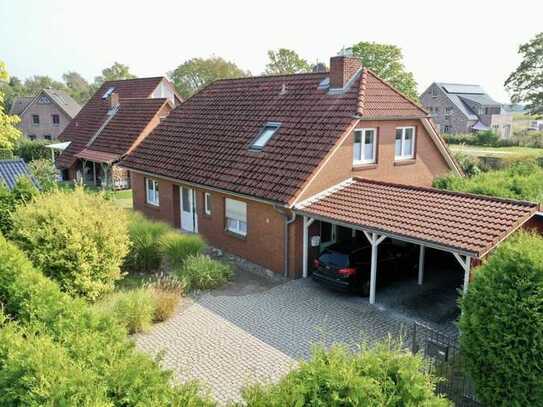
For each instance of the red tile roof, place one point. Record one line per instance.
(97, 156)
(468, 223)
(206, 139)
(91, 117)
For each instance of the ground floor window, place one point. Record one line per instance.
(152, 191)
(207, 203)
(236, 216)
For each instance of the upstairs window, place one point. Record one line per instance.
(405, 143)
(35, 120)
(56, 119)
(265, 135)
(236, 216)
(152, 192)
(364, 146)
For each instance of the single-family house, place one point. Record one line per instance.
(275, 168)
(45, 115)
(111, 124)
(461, 108)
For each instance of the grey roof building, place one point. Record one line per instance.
(46, 114)
(462, 108)
(12, 170)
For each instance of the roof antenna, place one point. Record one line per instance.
(283, 89)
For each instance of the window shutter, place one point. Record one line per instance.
(236, 210)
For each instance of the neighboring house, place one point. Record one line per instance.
(12, 170)
(46, 115)
(275, 168)
(460, 108)
(112, 123)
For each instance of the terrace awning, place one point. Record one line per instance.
(97, 156)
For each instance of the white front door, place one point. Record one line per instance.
(188, 210)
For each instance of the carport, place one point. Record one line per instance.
(468, 226)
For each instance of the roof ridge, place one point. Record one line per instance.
(11, 160)
(414, 103)
(449, 192)
(251, 77)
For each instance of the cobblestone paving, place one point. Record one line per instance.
(229, 340)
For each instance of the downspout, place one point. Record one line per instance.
(288, 221)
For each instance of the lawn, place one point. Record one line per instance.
(123, 198)
(502, 152)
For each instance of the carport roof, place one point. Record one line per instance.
(464, 223)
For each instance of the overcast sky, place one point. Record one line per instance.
(472, 41)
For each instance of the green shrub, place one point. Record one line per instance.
(45, 173)
(145, 252)
(469, 164)
(6, 154)
(23, 192)
(382, 376)
(202, 272)
(502, 325)
(30, 150)
(176, 247)
(459, 138)
(37, 371)
(95, 343)
(522, 180)
(134, 309)
(78, 239)
(486, 138)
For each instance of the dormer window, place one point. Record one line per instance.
(265, 135)
(108, 93)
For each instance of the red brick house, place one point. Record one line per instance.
(111, 124)
(260, 166)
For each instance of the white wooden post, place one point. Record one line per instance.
(375, 240)
(466, 265)
(94, 172)
(467, 270)
(421, 264)
(305, 254)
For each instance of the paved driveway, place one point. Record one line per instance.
(256, 330)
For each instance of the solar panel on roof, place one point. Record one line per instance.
(108, 93)
(473, 89)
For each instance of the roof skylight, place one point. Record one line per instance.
(265, 135)
(108, 93)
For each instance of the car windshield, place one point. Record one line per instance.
(334, 259)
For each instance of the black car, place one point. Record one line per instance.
(347, 265)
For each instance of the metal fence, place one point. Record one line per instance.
(445, 360)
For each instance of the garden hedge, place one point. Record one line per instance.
(78, 342)
(502, 325)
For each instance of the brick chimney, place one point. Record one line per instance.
(114, 100)
(342, 69)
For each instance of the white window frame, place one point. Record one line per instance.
(152, 195)
(207, 203)
(235, 224)
(363, 133)
(402, 155)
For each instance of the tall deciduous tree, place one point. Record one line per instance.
(195, 73)
(387, 61)
(9, 134)
(526, 83)
(79, 88)
(35, 84)
(115, 72)
(286, 61)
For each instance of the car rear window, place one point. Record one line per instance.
(334, 259)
